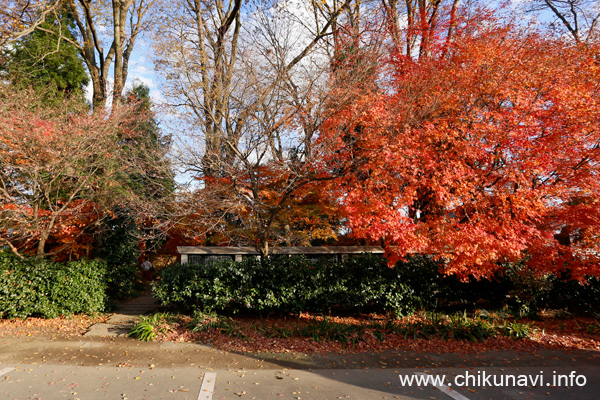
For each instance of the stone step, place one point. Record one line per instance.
(120, 323)
(123, 319)
(110, 330)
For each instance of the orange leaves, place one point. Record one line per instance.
(479, 156)
(60, 167)
(68, 235)
(551, 334)
(70, 231)
(266, 203)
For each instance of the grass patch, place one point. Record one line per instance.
(150, 326)
(461, 327)
(203, 322)
(348, 332)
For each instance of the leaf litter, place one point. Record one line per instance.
(250, 336)
(549, 333)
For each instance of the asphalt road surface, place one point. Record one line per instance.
(119, 368)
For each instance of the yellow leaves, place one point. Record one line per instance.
(323, 233)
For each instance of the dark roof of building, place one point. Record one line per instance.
(280, 250)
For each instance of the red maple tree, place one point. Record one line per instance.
(62, 169)
(487, 150)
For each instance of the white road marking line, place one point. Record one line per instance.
(208, 386)
(445, 389)
(5, 370)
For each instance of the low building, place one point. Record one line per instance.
(207, 255)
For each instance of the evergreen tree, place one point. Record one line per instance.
(148, 174)
(152, 178)
(46, 60)
(149, 146)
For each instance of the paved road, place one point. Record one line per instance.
(37, 368)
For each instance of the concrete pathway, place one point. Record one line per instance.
(121, 322)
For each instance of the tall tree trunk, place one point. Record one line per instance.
(264, 247)
(120, 9)
(98, 87)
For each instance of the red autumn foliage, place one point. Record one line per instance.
(487, 151)
(62, 169)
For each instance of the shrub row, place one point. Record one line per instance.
(515, 289)
(43, 288)
(287, 284)
(366, 283)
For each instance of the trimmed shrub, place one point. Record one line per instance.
(579, 298)
(364, 284)
(436, 291)
(43, 288)
(527, 293)
(286, 284)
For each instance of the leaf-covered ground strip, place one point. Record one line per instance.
(308, 333)
(71, 326)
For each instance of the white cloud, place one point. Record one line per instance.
(141, 79)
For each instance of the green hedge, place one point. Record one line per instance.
(287, 284)
(38, 287)
(366, 283)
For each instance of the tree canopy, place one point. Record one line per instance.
(484, 152)
(440, 127)
(47, 60)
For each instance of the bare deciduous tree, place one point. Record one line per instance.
(20, 17)
(414, 25)
(580, 18)
(254, 88)
(123, 21)
(108, 31)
